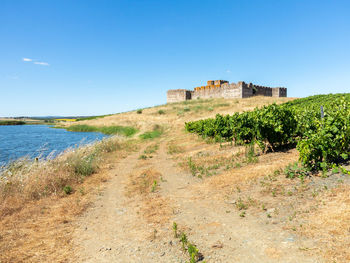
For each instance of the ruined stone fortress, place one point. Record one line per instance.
(224, 89)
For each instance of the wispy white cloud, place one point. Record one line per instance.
(42, 63)
(35, 61)
(228, 71)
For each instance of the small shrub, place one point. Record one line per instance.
(139, 111)
(143, 157)
(175, 230)
(193, 252)
(294, 170)
(154, 186)
(67, 190)
(273, 192)
(183, 239)
(186, 109)
(161, 112)
(83, 165)
(241, 205)
(195, 255)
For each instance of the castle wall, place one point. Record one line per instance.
(283, 92)
(177, 95)
(262, 91)
(232, 91)
(279, 92)
(224, 89)
(247, 90)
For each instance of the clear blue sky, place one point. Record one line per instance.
(98, 57)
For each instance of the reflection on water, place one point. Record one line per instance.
(39, 141)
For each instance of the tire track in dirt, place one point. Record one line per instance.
(115, 228)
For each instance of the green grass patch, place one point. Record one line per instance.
(12, 122)
(122, 130)
(151, 135)
(157, 132)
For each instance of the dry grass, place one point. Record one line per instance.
(36, 215)
(143, 183)
(267, 165)
(198, 109)
(144, 187)
(29, 180)
(174, 149)
(329, 225)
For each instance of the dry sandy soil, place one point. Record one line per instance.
(231, 207)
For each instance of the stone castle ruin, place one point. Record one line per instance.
(224, 89)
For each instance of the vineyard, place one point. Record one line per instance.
(322, 136)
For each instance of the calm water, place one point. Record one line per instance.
(39, 141)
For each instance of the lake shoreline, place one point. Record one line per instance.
(39, 141)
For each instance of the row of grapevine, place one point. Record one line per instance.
(320, 141)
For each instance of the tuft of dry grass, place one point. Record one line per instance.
(143, 182)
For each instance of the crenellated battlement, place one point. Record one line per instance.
(224, 89)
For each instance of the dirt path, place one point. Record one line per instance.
(114, 231)
(137, 228)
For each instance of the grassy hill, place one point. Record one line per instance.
(163, 189)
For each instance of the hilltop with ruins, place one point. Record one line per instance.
(224, 89)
